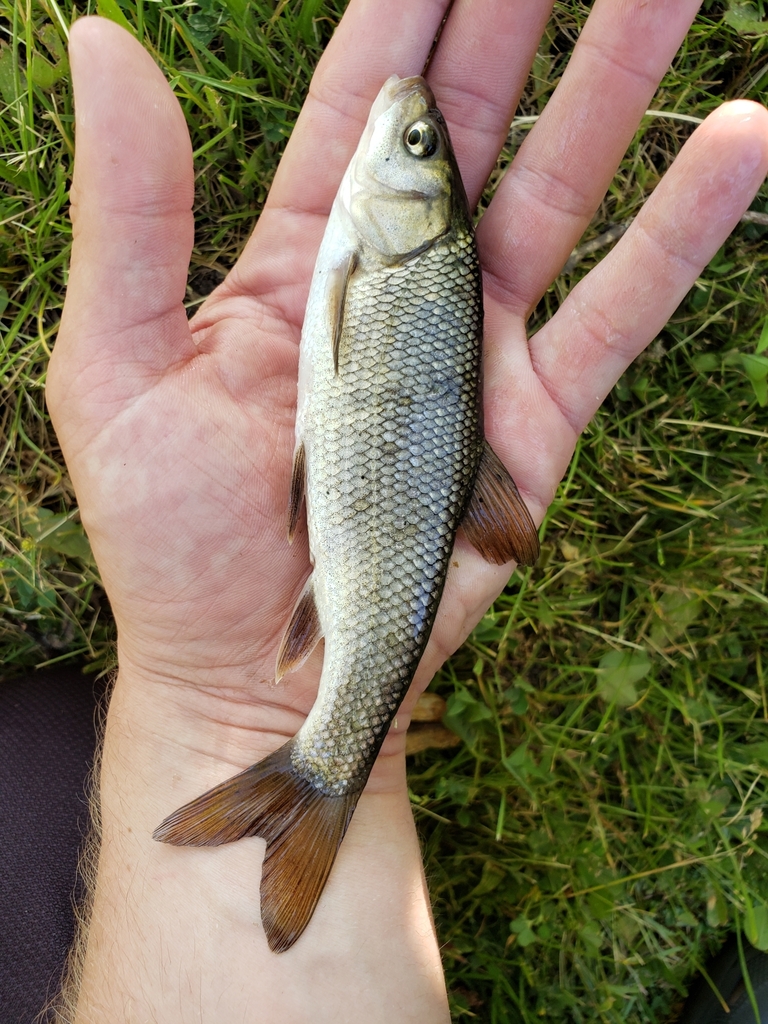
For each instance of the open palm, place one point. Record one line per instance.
(179, 435)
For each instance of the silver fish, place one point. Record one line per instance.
(391, 459)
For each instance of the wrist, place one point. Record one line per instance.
(161, 913)
(191, 734)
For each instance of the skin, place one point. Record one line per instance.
(179, 436)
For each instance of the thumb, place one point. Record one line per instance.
(123, 323)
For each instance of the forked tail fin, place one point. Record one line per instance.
(303, 828)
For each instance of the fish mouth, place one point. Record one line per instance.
(404, 88)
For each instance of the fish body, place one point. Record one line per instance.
(390, 428)
(391, 459)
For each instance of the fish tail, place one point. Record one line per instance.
(303, 827)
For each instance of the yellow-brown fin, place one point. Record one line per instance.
(339, 282)
(298, 480)
(302, 825)
(301, 635)
(497, 521)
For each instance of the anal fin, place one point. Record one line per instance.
(497, 521)
(302, 825)
(301, 635)
(298, 483)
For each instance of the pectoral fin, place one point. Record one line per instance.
(301, 635)
(497, 521)
(298, 479)
(339, 282)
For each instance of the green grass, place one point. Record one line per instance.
(600, 830)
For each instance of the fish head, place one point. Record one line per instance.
(401, 187)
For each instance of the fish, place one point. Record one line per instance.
(390, 460)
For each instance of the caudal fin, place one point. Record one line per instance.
(303, 828)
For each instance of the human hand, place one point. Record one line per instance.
(179, 436)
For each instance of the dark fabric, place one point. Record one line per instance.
(703, 1006)
(47, 741)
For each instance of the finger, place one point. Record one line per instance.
(563, 168)
(478, 73)
(621, 305)
(372, 42)
(124, 320)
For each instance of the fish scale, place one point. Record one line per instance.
(392, 446)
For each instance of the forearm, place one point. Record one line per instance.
(175, 933)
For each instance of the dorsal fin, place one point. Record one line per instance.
(497, 521)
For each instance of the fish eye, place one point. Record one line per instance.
(420, 139)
